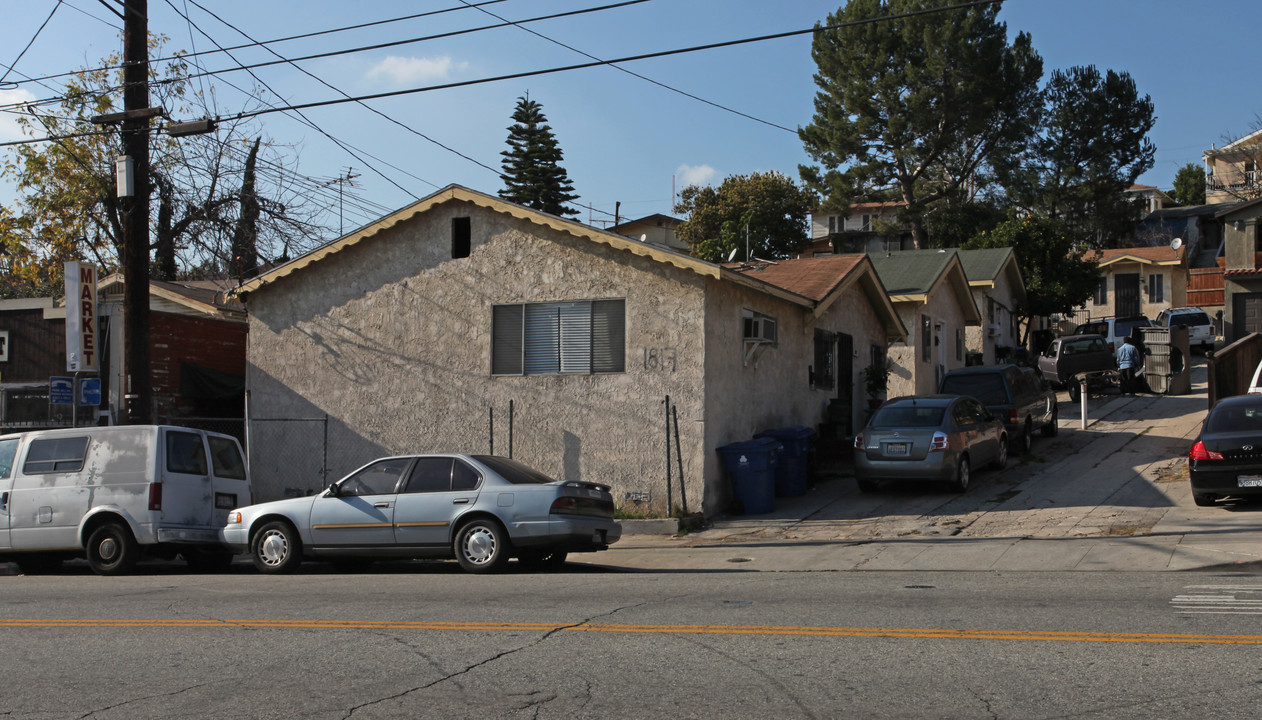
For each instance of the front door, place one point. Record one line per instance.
(8, 448)
(1126, 294)
(437, 492)
(361, 514)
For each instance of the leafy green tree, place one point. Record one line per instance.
(1189, 185)
(952, 223)
(67, 210)
(1060, 273)
(770, 204)
(533, 175)
(1091, 145)
(917, 103)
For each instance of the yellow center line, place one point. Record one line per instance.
(913, 633)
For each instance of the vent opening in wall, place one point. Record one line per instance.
(460, 234)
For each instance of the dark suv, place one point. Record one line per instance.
(1013, 394)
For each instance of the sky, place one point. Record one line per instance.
(632, 138)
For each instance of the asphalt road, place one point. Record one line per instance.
(426, 640)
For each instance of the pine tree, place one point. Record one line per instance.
(533, 175)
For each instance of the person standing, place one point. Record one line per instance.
(1127, 362)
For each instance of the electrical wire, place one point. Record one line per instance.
(635, 74)
(32, 42)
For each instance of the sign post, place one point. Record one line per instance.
(82, 328)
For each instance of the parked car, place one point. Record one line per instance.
(115, 494)
(1067, 358)
(479, 509)
(1113, 329)
(1201, 331)
(1226, 459)
(1016, 395)
(929, 437)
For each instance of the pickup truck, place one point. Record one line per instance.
(1068, 358)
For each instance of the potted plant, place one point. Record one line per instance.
(875, 381)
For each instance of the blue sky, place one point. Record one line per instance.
(626, 140)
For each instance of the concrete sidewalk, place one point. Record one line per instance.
(1111, 497)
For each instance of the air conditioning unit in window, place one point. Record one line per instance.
(759, 328)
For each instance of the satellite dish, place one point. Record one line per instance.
(732, 255)
(1176, 243)
(644, 238)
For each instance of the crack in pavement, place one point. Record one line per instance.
(107, 708)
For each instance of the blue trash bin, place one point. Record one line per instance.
(791, 471)
(751, 466)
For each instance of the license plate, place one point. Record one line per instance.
(225, 501)
(896, 448)
(598, 537)
(1249, 481)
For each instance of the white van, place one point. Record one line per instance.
(113, 494)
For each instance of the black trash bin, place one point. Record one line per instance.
(791, 470)
(751, 467)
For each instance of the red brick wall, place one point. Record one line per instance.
(174, 339)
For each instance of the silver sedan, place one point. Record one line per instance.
(929, 437)
(479, 509)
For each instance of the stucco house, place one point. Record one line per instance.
(998, 289)
(1231, 171)
(465, 323)
(655, 228)
(1242, 273)
(935, 302)
(1138, 281)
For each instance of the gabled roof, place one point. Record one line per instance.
(823, 280)
(984, 267)
(457, 193)
(656, 219)
(913, 275)
(1159, 255)
(207, 297)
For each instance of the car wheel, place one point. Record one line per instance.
(541, 559)
(208, 560)
(962, 475)
(1001, 461)
(1027, 437)
(1052, 427)
(112, 550)
(867, 486)
(482, 546)
(1204, 499)
(1075, 391)
(276, 548)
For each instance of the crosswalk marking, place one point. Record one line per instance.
(1219, 600)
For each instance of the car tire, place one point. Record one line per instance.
(112, 550)
(1027, 437)
(481, 546)
(1204, 499)
(1052, 427)
(276, 548)
(1001, 461)
(867, 486)
(962, 475)
(537, 560)
(1075, 391)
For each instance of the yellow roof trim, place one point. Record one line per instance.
(909, 298)
(1140, 260)
(456, 192)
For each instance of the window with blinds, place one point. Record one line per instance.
(568, 338)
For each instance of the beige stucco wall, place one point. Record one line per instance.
(909, 373)
(772, 390)
(391, 339)
(980, 338)
(1176, 291)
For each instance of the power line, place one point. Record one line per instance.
(32, 42)
(630, 58)
(635, 74)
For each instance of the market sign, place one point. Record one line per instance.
(82, 326)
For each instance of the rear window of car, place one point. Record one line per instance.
(987, 387)
(1085, 345)
(908, 416)
(226, 458)
(1186, 319)
(1234, 418)
(513, 471)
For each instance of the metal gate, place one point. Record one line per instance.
(1126, 294)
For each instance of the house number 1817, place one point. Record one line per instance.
(659, 359)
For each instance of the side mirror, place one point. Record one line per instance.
(334, 490)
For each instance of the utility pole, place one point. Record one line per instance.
(134, 211)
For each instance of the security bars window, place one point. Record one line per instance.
(1102, 292)
(567, 338)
